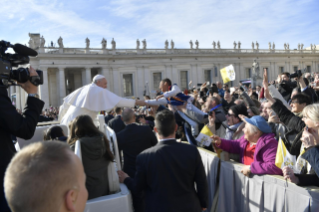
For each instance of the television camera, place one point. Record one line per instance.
(9, 70)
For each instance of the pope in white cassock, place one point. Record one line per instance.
(91, 99)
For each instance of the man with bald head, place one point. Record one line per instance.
(91, 99)
(45, 176)
(133, 140)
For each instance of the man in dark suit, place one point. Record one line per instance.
(109, 116)
(167, 172)
(133, 140)
(117, 123)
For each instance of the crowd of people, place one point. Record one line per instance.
(247, 124)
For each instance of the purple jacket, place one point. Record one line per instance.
(264, 156)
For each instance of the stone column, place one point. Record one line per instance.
(83, 77)
(88, 77)
(237, 72)
(118, 83)
(44, 89)
(18, 94)
(193, 75)
(61, 87)
(175, 75)
(105, 71)
(141, 82)
(168, 72)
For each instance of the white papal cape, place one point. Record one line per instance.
(90, 100)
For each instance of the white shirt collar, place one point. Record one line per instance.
(166, 139)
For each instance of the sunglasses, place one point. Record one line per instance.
(228, 114)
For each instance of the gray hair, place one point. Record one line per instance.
(253, 129)
(127, 114)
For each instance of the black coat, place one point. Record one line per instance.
(13, 123)
(312, 156)
(116, 123)
(167, 173)
(294, 124)
(95, 165)
(133, 140)
(107, 118)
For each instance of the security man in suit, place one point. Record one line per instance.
(167, 172)
(117, 123)
(133, 140)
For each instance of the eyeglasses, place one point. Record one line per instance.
(294, 102)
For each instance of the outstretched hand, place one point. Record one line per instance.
(216, 139)
(159, 96)
(122, 176)
(266, 88)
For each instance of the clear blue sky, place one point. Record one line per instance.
(265, 21)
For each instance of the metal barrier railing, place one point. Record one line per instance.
(230, 190)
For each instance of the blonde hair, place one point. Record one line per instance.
(312, 112)
(38, 177)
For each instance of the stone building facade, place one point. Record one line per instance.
(134, 72)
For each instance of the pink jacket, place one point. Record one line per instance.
(264, 156)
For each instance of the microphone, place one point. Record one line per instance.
(21, 49)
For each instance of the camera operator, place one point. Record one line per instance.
(286, 86)
(20, 125)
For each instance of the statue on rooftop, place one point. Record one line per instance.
(42, 42)
(197, 44)
(113, 44)
(257, 45)
(87, 41)
(214, 45)
(144, 44)
(191, 44)
(298, 46)
(269, 45)
(273, 46)
(252, 45)
(235, 44)
(104, 42)
(311, 46)
(166, 44)
(138, 44)
(218, 44)
(285, 46)
(60, 42)
(301, 46)
(239, 44)
(172, 44)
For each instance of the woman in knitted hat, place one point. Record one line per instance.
(257, 147)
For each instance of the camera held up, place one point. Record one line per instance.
(297, 74)
(10, 62)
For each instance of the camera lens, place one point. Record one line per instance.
(20, 74)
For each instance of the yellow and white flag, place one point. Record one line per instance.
(228, 73)
(203, 139)
(284, 158)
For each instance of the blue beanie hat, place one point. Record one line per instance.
(260, 123)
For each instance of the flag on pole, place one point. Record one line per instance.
(228, 73)
(284, 158)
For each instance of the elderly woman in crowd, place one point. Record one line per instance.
(310, 140)
(257, 147)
